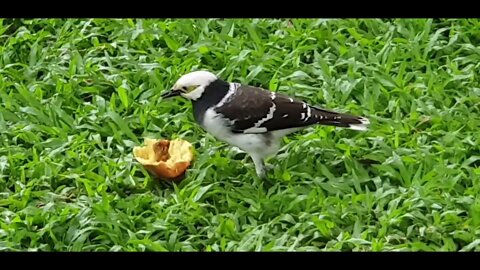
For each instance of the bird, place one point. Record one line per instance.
(251, 118)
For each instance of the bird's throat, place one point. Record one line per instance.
(212, 95)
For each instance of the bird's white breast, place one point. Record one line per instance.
(216, 125)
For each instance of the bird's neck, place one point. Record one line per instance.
(212, 95)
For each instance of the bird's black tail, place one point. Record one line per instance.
(331, 118)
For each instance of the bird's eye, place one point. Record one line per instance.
(183, 89)
(190, 88)
(193, 87)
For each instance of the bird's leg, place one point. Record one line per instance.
(259, 166)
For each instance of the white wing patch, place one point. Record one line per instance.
(231, 91)
(309, 113)
(255, 130)
(267, 117)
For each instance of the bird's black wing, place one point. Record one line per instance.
(256, 110)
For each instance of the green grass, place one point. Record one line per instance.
(77, 95)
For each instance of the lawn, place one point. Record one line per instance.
(77, 95)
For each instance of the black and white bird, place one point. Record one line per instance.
(251, 118)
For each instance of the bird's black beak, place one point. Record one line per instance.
(171, 93)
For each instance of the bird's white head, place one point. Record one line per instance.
(191, 85)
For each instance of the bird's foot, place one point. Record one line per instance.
(263, 169)
(269, 167)
(263, 175)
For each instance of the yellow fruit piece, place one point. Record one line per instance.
(167, 159)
